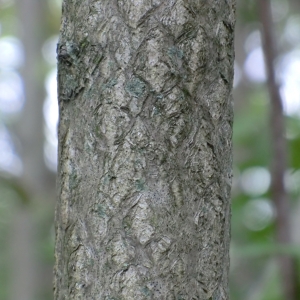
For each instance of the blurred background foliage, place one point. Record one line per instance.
(28, 120)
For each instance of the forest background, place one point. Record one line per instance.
(28, 121)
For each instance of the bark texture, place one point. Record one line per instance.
(145, 160)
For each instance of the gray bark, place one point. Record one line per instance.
(145, 160)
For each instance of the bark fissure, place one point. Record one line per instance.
(145, 150)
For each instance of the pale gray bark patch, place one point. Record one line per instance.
(145, 157)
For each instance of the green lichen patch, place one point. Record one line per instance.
(108, 177)
(73, 180)
(98, 132)
(101, 211)
(110, 298)
(146, 291)
(136, 87)
(110, 83)
(140, 185)
(175, 53)
(127, 224)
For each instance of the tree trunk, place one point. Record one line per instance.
(145, 160)
(37, 182)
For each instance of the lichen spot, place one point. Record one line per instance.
(135, 87)
(174, 52)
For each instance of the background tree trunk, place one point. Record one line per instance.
(279, 159)
(144, 149)
(29, 277)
